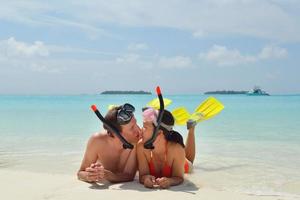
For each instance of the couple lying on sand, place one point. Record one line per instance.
(105, 159)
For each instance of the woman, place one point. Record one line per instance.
(164, 166)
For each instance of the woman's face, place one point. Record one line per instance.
(149, 115)
(147, 130)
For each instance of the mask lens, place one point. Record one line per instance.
(125, 114)
(128, 107)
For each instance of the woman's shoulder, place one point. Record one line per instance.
(175, 148)
(175, 152)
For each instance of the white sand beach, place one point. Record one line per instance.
(36, 186)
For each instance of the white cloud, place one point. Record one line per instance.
(223, 56)
(253, 18)
(23, 11)
(273, 52)
(33, 65)
(226, 57)
(13, 48)
(42, 67)
(174, 62)
(72, 49)
(133, 61)
(137, 47)
(92, 31)
(36, 13)
(198, 34)
(26, 56)
(129, 58)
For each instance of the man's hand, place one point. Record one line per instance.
(149, 181)
(95, 172)
(163, 182)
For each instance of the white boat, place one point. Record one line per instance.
(256, 91)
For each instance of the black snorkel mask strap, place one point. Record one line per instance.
(126, 144)
(149, 144)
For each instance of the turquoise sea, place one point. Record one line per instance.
(252, 147)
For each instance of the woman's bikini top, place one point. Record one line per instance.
(166, 170)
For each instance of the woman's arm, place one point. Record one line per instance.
(178, 155)
(144, 174)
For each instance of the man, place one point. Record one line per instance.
(105, 158)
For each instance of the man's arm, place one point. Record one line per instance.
(117, 177)
(128, 172)
(87, 172)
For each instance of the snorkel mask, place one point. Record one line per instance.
(125, 113)
(150, 115)
(149, 143)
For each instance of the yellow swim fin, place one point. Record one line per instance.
(181, 115)
(111, 106)
(154, 103)
(208, 109)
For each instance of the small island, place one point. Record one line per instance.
(256, 91)
(125, 92)
(226, 92)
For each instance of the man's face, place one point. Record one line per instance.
(131, 131)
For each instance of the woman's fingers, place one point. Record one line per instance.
(163, 182)
(149, 181)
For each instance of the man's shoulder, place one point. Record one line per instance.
(98, 137)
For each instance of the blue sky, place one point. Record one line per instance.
(186, 47)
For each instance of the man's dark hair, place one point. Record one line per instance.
(111, 118)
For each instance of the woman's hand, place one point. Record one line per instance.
(149, 181)
(163, 182)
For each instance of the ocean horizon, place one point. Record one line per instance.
(153, 93)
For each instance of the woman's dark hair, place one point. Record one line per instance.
(172, 136)
(111, 118)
